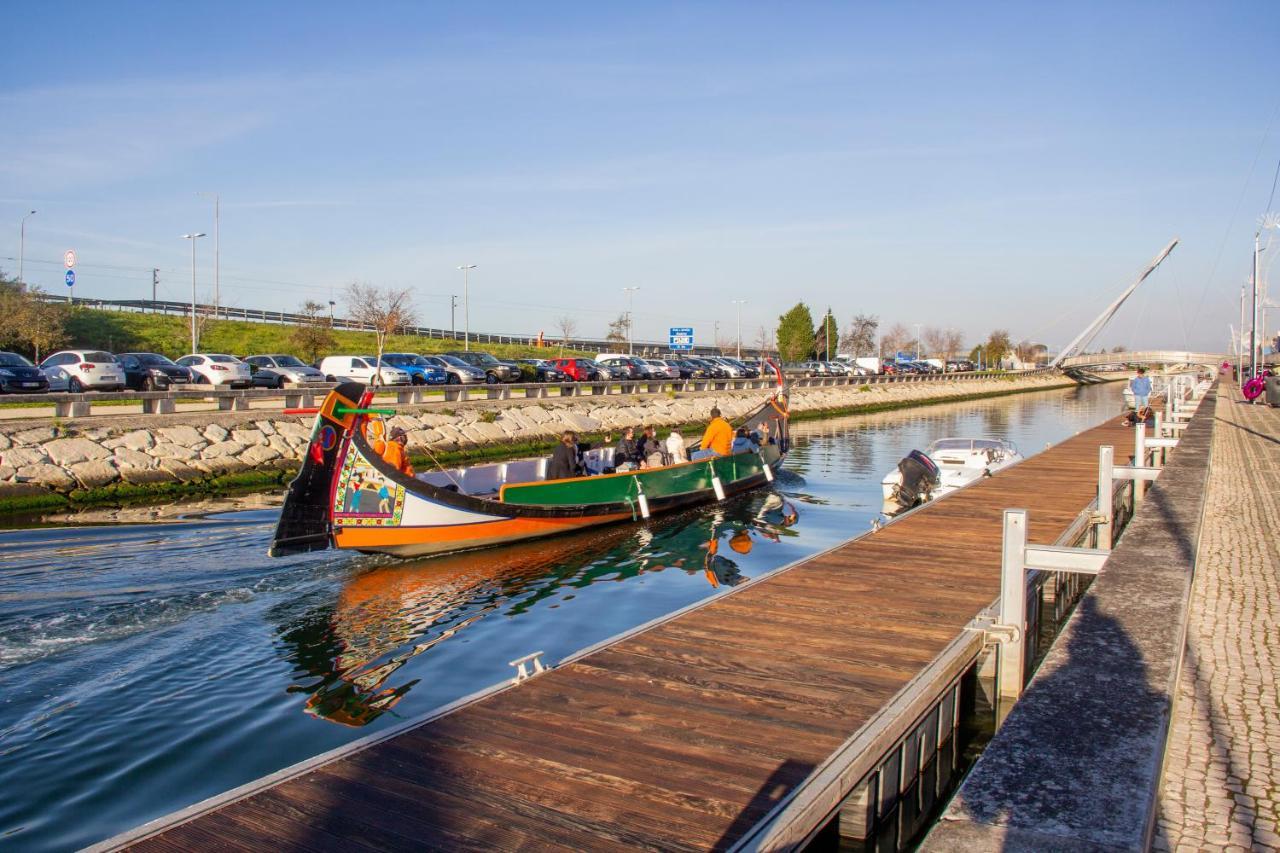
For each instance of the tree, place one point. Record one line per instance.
(897, 339)
(313, 336)
(826, 338)
(619, 329)
(763, 342)
(997, 346)
(935, 341)
(860, 337)
(28, 319)
(952, 341)
(387, 310)
(1118, 348)
(568, 327)
(795, 333)
(1026, 351)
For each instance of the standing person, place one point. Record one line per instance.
(719, 434)
(564, 460)
(1140, 385)
(395, 454)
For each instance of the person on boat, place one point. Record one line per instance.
(565, 462)
(742, 441)
(1140, 385)
(719, 435)
(373, 431)
(651, 451)
(395, 454)
(626, 455)
(675, 448)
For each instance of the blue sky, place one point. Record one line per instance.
(947, 164)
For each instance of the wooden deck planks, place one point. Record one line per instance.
(683, 736)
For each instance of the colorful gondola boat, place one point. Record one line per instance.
(346, 496)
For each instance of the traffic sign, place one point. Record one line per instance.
(681, 338)
(69, 258)
(71, 278)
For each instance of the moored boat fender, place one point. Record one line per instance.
(919, 477)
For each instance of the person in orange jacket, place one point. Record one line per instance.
(395, 454)
(719, 434)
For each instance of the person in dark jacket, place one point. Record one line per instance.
(627, 453)
(564, 460)
(651, 452)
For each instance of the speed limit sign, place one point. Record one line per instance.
(70, 258)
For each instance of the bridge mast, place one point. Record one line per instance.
(1091, 331)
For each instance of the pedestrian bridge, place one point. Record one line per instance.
(1168, 358)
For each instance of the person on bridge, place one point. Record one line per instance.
(1140, 385)
(395, 454)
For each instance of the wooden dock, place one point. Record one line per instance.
(687, 734)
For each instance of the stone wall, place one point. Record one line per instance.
(79, 456)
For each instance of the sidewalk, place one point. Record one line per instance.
(1221, 782)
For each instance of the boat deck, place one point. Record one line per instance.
(685, 735)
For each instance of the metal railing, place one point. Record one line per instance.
(82, 404)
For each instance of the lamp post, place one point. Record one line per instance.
(739, 303)
(918, 325)
(330, 313)
(193, 237)
(22, 243)
(630, 291)
(466, 304)
(217, 251)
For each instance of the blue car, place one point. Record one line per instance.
(421, 371)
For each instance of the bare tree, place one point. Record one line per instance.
(568, 328)
(1025, 350)
(313, 335)
(934, 341)
(386, 310)
(952, 343)
(897, 339)
(860, 337)
(619, 329)
(762, 342)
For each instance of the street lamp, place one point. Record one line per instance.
(217, 278)
(739, 303)
(193, 237)
(918, 325)
(466, 304)
(22, 243)
(630, 291)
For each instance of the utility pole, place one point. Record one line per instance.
(739, 303)
(1253, 314)
(155, 280)
(466, 305)
(453, 316)
(193, 236)
(630, 291)
(217, 279)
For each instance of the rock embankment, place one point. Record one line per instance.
(102, 457)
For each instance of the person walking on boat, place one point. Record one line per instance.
(719, 435)
(1140, 385)
(395, 454)
(564, 462)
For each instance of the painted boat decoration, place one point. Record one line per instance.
(346, 496)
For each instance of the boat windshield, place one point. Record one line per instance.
(969, 444)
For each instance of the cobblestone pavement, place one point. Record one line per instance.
(1221, 784)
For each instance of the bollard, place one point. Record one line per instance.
(1106, 470)
(1139, 461)
(1013, 603)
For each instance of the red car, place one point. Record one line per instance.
(577, 369)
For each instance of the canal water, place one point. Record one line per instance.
(144, 667)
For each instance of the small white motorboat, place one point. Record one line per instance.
(946, 465)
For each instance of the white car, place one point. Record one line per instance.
(84, 370)
(360, 368)
(671, 371)
(216, 368)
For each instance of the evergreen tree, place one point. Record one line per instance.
(826, 338)
(795, 334)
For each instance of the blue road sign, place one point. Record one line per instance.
(71, 278)
(681, 338)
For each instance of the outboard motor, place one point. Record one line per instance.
(919, 476)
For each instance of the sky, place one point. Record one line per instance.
(970, 166)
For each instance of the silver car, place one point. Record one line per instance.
(288, 368)
(457, 370)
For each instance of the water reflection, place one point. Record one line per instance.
(347, 652)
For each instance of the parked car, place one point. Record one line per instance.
(290, 370)
(749, 371)
(689, 370)
(666, 366)
(714, 369)
(456, 371)
(960, 365)
(624, 366)
(85, 370)
(151, 371)
(494, 370)
(17, 375)
(217, 368)
(421, 371)
(543, 370)
(361, 368)
(582, 369)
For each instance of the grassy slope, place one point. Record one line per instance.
(120, 331)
